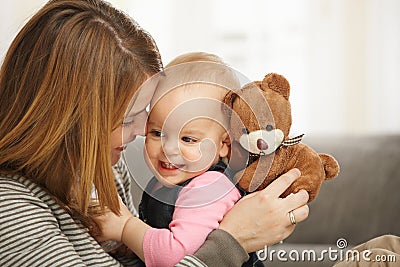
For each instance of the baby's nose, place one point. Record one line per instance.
(170, 147)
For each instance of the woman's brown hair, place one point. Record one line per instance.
(65, 84)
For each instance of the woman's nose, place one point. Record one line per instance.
(129, 133)
(141, 130)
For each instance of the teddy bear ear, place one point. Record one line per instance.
(230, 98)
(277, 83)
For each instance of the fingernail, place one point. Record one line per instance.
(297, 172)
(306, 192)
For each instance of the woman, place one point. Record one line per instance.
(65, 84)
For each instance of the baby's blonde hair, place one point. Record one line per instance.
(195, 56)
(196, 67)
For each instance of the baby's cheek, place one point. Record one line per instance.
(202, 156)
(191, 153)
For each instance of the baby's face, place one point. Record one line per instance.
(186, 133)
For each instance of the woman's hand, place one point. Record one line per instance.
(262, 218)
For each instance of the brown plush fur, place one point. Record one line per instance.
(254, 107)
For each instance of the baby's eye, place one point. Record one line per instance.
(245, 131)
(156, 133)
(269, 127)
(188, 139)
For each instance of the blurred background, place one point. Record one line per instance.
(341, 57)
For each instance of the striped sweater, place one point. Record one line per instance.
(36, 231)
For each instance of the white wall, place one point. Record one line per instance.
(342, 57)
(13, 15)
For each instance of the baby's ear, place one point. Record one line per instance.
(225, 146)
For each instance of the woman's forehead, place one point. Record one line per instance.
(141, 99)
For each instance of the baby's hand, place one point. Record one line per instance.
(112, 225)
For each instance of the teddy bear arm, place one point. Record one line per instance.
(256, 176)
(312, 172)
(331, 166)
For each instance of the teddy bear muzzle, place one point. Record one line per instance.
(262, 142)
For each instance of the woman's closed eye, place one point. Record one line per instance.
(127, 123)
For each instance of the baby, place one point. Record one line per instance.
(185, 142)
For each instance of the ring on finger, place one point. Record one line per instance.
(292, 218)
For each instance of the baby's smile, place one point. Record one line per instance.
(171, 166)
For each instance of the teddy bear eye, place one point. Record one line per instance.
(269, 127)
(245, 131)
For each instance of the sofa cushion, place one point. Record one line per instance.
(363, 201)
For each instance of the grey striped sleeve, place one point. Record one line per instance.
(29, 234)
(36, 231)
(190, 261)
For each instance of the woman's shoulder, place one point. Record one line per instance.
(18, 189)
(18, 184)
(41, 230)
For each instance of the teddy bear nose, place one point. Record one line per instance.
(261, 144)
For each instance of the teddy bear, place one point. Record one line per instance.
(261, 150)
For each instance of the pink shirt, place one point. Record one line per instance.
(199, 209)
